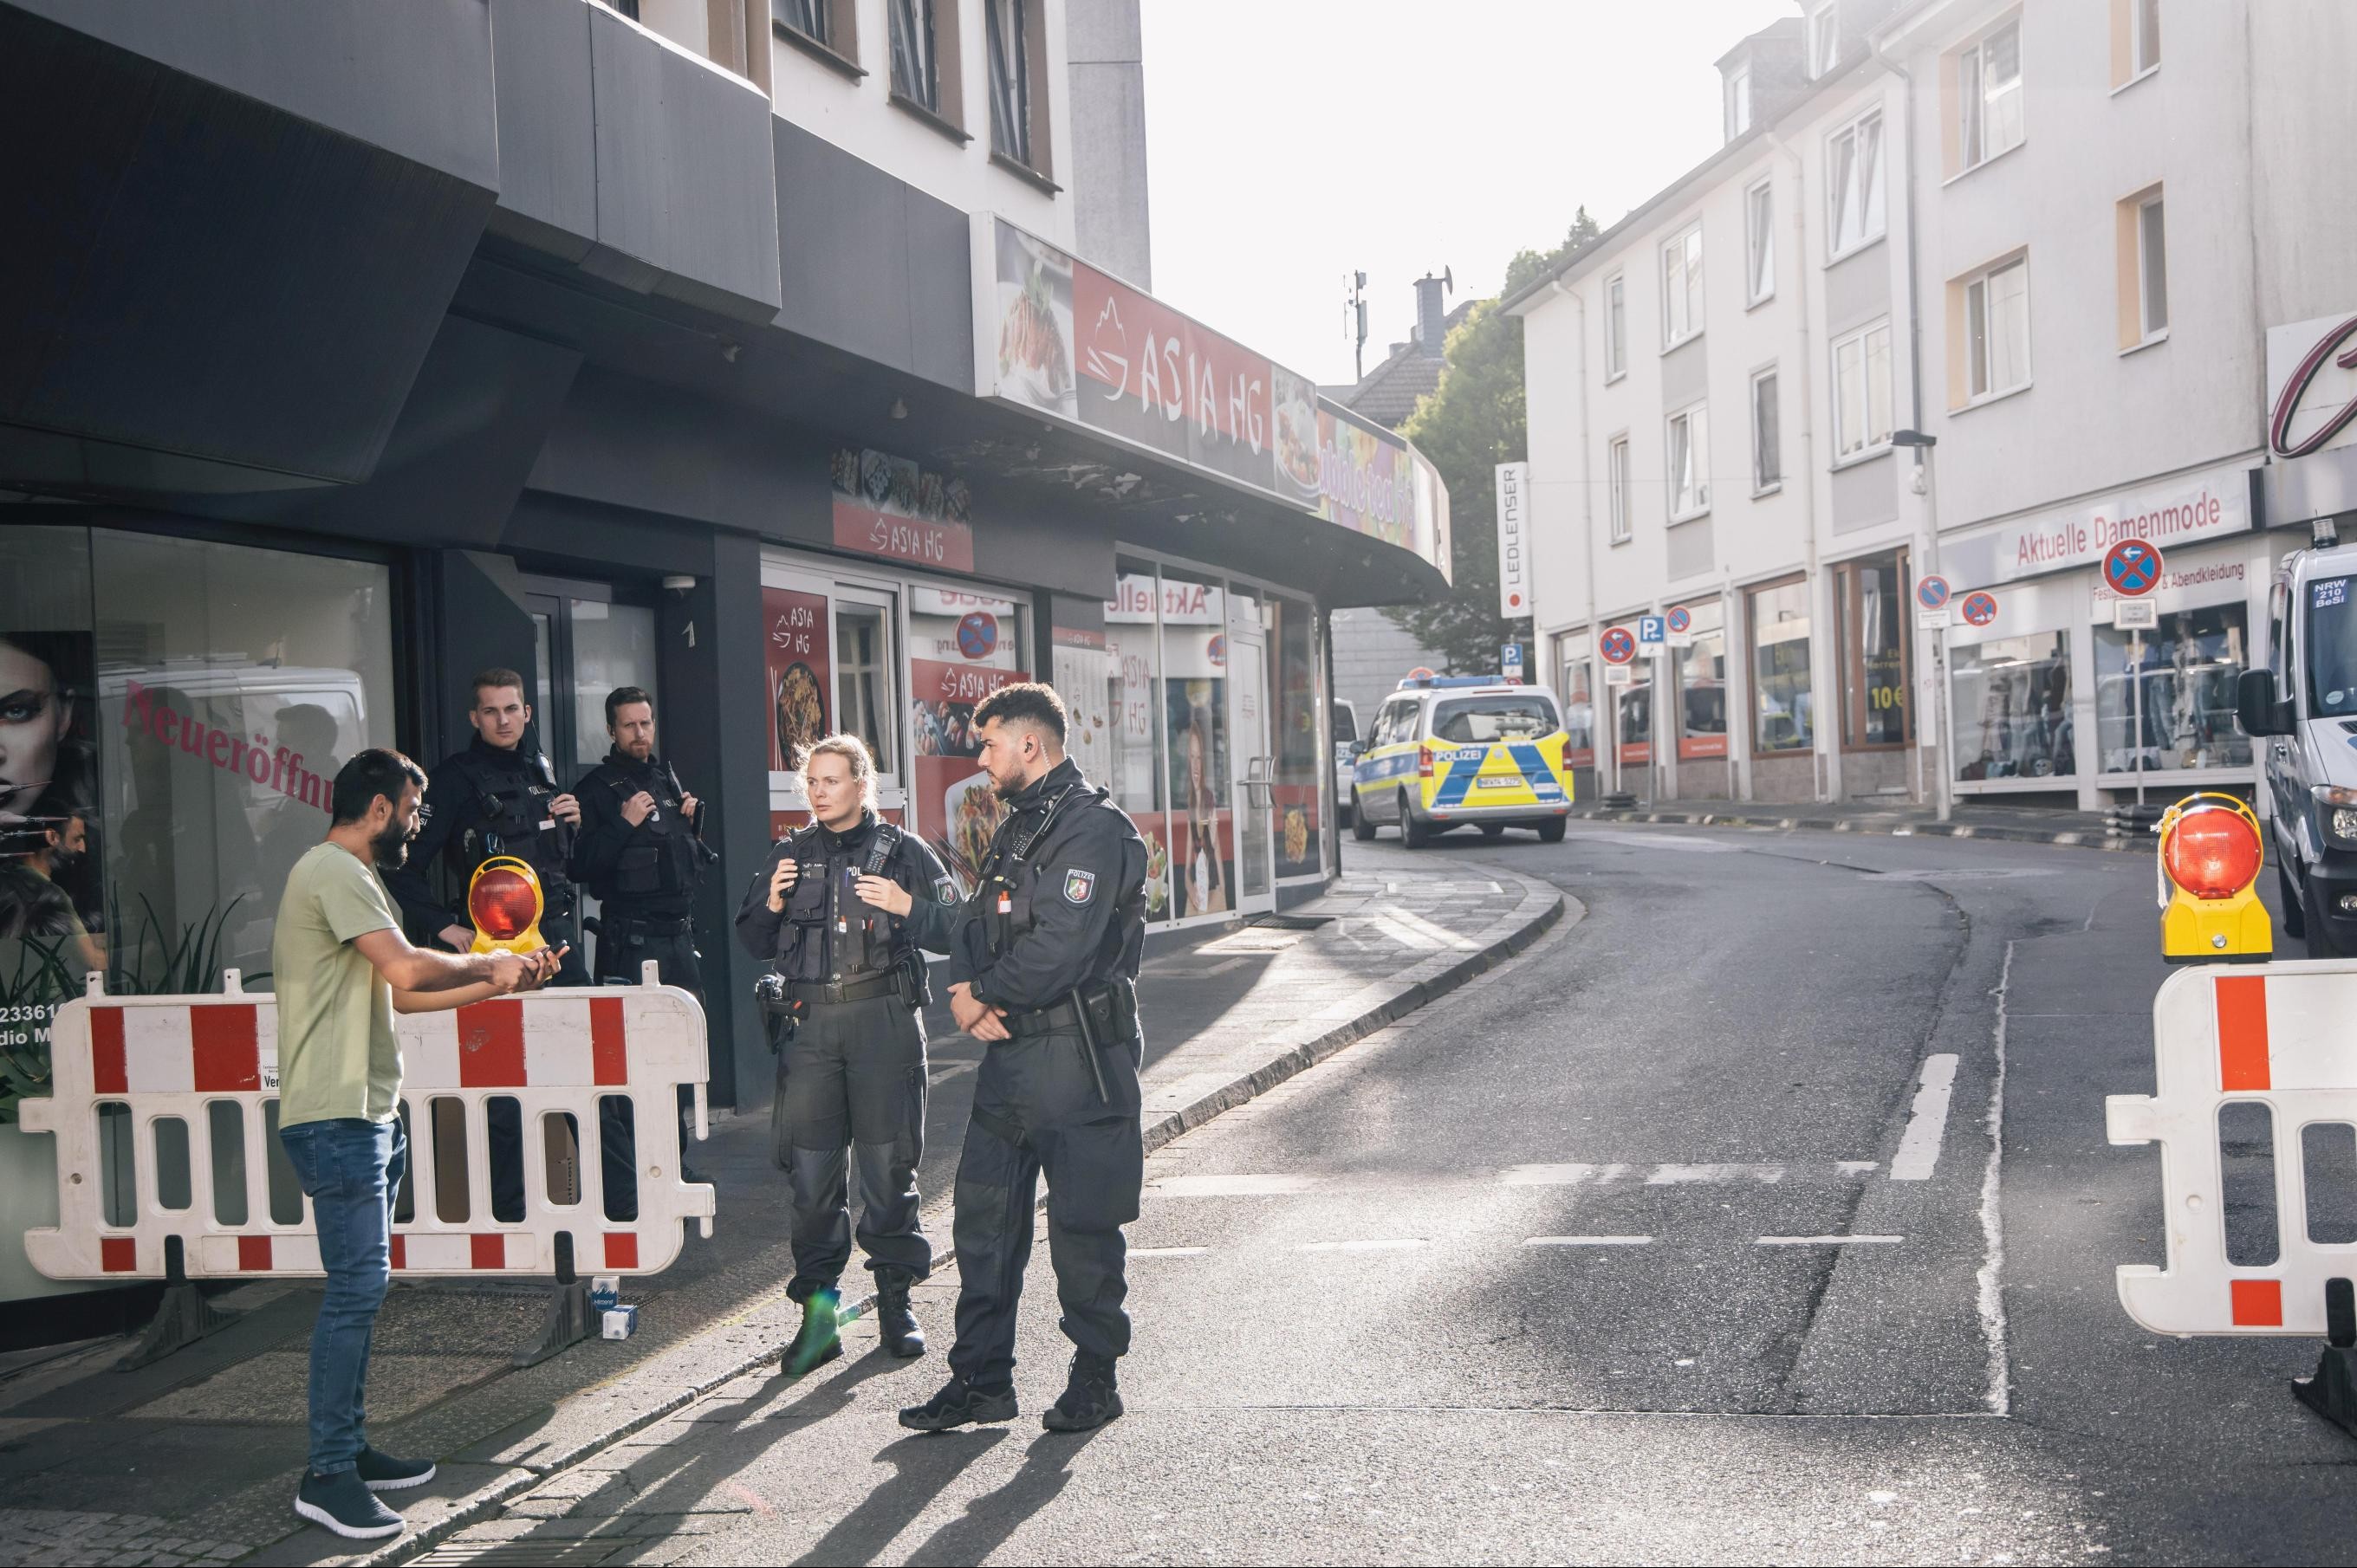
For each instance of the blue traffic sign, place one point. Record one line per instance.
(2132, 568)
(1932, 592)
(1651, 630)
(1680, 621)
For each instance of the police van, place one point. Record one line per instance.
(1449, 750)
(2302, 710)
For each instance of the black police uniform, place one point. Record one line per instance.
(644, 877)
(852, 1071)
(485, 801)
(1053, 935)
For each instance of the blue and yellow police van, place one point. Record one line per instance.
(1448, 751)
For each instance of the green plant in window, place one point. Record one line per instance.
(166, 961)
(31, 990)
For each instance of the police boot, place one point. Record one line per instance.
(818, 1341)
(894, 1320)
(959, 1404)
(1089, 1399)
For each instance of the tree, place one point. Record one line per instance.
(1472, 421)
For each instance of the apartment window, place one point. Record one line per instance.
(1988, 96)
(1824, 37)
(1616, 326)
(1689, 455)
(2136, 39)
(1682, 287)
(829, 28)
(2152, 269)
(1739, 103)
(1767, 451)
(1015, 131)
(1996, 330)
(1854, 184)
(1759, 241)
(916, 74)
(1862, 392)
(1616, 483)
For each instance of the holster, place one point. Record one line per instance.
(781, 1016)
(916, 984)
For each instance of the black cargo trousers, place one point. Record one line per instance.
(1036, 1112)
(851, 1096)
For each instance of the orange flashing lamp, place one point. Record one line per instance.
(504, 902)
(2210, 856)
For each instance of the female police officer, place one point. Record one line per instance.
(852, 1068)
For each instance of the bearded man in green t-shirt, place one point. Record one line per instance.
(342, 969)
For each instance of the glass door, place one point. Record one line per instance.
(831, 662)
(1255, 805)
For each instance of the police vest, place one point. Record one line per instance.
(828, 933)
(1010, 887)
(512, 817)
(659, 857)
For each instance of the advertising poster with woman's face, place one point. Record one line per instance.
(50, 890)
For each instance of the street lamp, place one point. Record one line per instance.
(1928, 561)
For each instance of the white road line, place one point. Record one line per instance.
(1558, 1175)
(1992, 1292)
(1856, 1168)
(1588, 1241)
(1927, 1123)
(1168, 1251)
(948, 1070)
(1230, 1185)
(1830, 1240)
(1680, 1176)
(1393, 1245)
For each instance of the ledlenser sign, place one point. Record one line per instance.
(1062, 339)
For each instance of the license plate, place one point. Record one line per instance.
(1499, 781)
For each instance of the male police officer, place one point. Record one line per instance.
(840, 907)
(639, 851)
(494, 799)
(1044, 964)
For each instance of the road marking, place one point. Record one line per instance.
(1830, 1240)
(1588, 1241)
(1558, 1175)
(1680, 1176)
(1230, 1186)
(1856, 1168)
(1927, 1125)
(1992, 1293)
(1661, 841)
(1413, 930)
(941, 1074)
(1168, 1251)
(1393, 1245)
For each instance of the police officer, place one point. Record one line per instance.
(839, 908)
(499, 798)
(1044, 965)
(639, 851)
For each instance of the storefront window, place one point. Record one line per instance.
(1301, 773)
(1572, 654)
(1783, 710)
(1702, 683)
(1134, 730)
(2188, 667)
(1194, 708)
(613, 646)
(1634, 706)
(863, 679)
(961, 647)
(2011, 699)
(1871, 596)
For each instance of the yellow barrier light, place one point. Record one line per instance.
(2211, 853)
(504, 902)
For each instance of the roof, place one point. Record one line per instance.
(1389, 393)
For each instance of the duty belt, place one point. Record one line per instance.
(650, 924)
(885, 984)
(1064, 1018)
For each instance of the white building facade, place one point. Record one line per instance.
(2050, 237)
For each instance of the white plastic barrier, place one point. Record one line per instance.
(555, 1052)
(2282, 1035)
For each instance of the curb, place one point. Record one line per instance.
(1447, 973)
(2075, 838)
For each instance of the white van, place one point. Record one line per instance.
(2302, 710)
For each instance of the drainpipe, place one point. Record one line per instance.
(1587, 539)
(1818, 781)
(1927, 553)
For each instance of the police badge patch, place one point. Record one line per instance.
(1080, 886)
(945, 890)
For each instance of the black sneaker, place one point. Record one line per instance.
(1090, 1398)
(383, 1473)
(958, 1405)
(818, 1341)
(343, 1503)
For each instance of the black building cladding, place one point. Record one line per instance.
(469, 311)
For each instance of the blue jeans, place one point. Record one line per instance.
(351, 1170)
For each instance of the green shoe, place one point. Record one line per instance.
(819, 1340)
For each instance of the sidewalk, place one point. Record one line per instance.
(194, 1459)
(2014, 825)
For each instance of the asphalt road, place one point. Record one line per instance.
(1763, 1214)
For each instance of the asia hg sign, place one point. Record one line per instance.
(1514, 541)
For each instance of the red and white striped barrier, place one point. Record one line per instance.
(555, 1053)
(2282, 1036)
